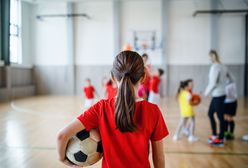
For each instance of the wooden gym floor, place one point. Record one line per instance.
(28, 130)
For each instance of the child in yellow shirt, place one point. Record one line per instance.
(186, 110)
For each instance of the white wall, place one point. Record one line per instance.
(49, 35)
(188, 40)
(93, 38)
(141, 16)
(189, 37)
(26, 20)
(94, 41)
(232, 39)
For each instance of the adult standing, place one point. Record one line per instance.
(216, 87)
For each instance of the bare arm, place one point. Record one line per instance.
(158, 154)
(63, 137)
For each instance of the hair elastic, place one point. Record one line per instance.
(127, 74)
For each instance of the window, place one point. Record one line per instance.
(15, 37)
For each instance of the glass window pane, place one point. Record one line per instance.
(13, 30)
(14, 49)
(14, 11)
(15, 39)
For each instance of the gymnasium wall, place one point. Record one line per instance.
(188, 42)
(26, 34)
(142, 16)
(94, 39)
(16, 82)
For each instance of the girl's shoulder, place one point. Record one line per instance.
(141, 104)
(145, 103)
(147, 108)
(107, 101)
(184, 92)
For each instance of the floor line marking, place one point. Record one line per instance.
(166, 152)
(44, 114)
(208, 153)
(37, 113)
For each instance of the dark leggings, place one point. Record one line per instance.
(217, 105)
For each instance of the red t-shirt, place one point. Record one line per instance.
(122, 150)
(89, 92)
(154, 84)
(111, 91)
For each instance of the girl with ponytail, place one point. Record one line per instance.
(126, 123)
(186, 110)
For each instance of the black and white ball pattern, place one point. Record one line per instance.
(85, 148)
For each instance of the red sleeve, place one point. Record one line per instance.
(93, 89)
(160, 129)
(90, 118)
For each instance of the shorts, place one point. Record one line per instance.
(154, 98)
(231, 108)
(88, 103)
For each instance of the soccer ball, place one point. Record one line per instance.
(85, 148)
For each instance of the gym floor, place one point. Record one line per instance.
(28, 130)
(48, 48)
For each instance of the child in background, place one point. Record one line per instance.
(154, 96)
(187, 112)
(245, 137)
(230, 107)
(190, 86)
(127, 124)
(110, 88)
(185, 129)
(143, 90)
(147, 62)
(89, 92)
(195, 100)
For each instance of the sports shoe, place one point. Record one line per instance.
(212, 138)
(193, 138)
(245, 137)
(175, 138)
(185, 131)
(217, 142)
(229, 136)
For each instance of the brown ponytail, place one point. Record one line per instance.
(182, 85)
(128, 69)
